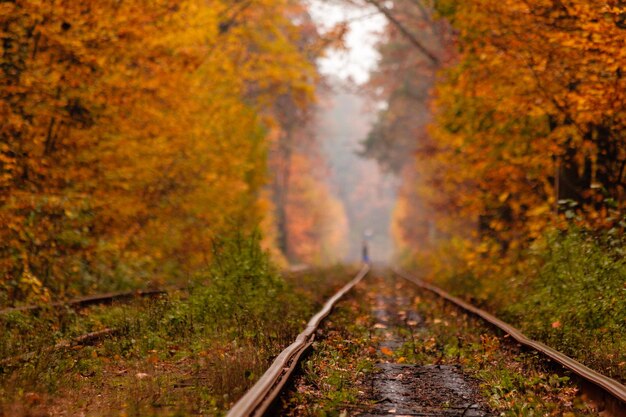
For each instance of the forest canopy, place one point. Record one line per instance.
(133, 133)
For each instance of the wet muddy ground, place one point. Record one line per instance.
(410, 389)
(431, 390)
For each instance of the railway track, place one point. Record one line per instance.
(86, 339)
(128, 347)
(609, 394)
(597, 387)
(267, 389)
(88, 301)
(110, 297)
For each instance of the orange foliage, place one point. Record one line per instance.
(533, 114)
(134, 132)
(529, 125)
(317, 227)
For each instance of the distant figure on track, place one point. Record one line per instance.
(365, 252)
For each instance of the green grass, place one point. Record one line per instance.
(331, 377)
(188, 353)
(576, 299)
(567, 290)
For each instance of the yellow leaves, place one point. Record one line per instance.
(174, 145)
(494, 145)
(31, 285)
(539, 210)
(7, 8)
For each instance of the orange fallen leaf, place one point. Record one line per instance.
(556, 324)
(386, 351)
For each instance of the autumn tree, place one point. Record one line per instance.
(533, 114)
(135, 132)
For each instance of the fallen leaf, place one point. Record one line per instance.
(386, 351)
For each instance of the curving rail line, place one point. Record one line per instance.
(77, 304)
(606, 392)
(87, 301)
(258, 399)
(110, 297)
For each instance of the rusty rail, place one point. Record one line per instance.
(110, 297)
(608, 392)
(257, 400)
(85, 339)
(87, 301)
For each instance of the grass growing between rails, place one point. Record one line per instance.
(331, 379)
(568, 290)
(185, 354)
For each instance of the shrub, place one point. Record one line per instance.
(576, 299)
(242, 292)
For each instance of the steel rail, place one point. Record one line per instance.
(110, 297)
(258, 399)
(87, 301)
(85, 339)
(613, 388)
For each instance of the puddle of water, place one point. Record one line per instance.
(432, 390)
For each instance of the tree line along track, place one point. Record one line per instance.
(599, 389)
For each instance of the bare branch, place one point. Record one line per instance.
(405, 32)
